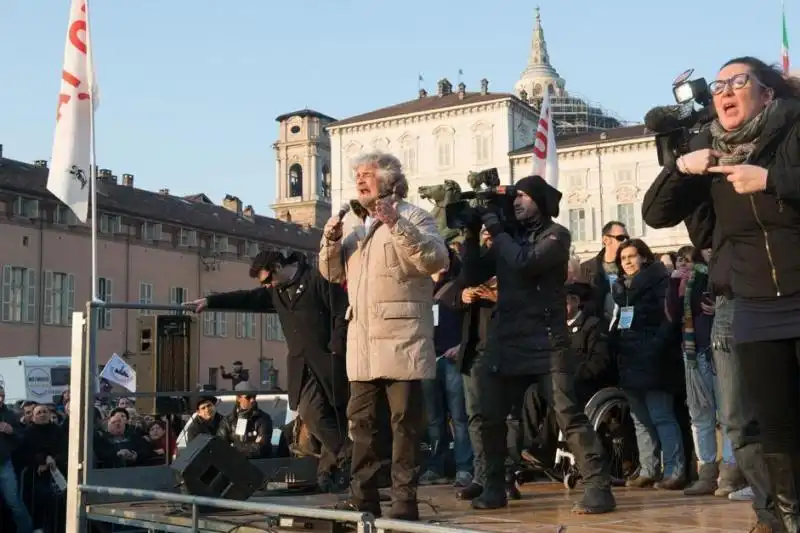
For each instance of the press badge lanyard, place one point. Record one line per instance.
(625, 315)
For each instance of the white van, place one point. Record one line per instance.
(34, 378)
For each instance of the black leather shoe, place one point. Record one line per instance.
(491, 499)
(595, 501)
(470, 492)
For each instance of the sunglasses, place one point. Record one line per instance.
(619, 238)
(737, 83)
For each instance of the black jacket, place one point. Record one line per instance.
(106, 447)
(43, 440)
(593, 273)
(643, 350)
(216, 427)
(447, 332)
(9, 443)
(312, 314)
(528, 331)
(237, 377)
(256, 442)
(590, 344)
(763, 228)
(474, 329)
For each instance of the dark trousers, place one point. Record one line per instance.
(407, 417)
(472, 401)
(539, 427)
(737, 413)
(773, 386)
(557, 391)
(327, 422)
(773, 383)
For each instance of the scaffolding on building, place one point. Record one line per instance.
(574, 114)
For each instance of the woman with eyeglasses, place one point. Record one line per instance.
(742, 184)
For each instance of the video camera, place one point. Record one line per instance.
(486, 194)
(676, 125)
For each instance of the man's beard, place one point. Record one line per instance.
(368, 202)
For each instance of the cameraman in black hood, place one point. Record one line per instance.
(527, 339)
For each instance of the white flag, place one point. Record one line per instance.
(70, 163)
(545, 157)
(119, 372)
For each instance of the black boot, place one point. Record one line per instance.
(404, 510)
(493, 497)
(494, 494)
(784, 469)
(470, 492)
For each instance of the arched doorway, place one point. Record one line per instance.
(326, 182)
(295, 180)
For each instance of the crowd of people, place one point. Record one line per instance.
(34, 447)
(496, 339)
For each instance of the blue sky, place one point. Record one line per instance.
(190, 88)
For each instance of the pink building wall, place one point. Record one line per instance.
(42, 247)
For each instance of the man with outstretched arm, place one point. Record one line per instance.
(311, 311)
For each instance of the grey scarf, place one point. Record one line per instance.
(737, 145)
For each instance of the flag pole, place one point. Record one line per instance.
(92, 155)
(784, 40)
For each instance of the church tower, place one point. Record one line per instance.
(303, 168)
(539, 75)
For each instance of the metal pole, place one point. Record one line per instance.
(78, 408)
(90, 389)
(92, 152)
(250, 506)
(195, 518)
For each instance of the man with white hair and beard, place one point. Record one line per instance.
(387, 260)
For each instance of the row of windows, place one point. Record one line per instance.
(578, 226)
(446, 149)
(19, 296)
(20, 304)
(577, 179)
(147, 231)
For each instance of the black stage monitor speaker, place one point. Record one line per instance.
(209, 467)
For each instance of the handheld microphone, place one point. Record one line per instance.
(663, 119)
(668, 118)
(343, 211)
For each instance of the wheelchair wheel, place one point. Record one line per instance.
(614, 426)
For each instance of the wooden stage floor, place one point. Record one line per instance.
(545, 507)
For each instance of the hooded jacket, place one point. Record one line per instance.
(528, 329)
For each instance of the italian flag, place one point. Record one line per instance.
(785, 47)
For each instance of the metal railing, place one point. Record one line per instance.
(365, 522)
(81, 460)
(50, 499)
